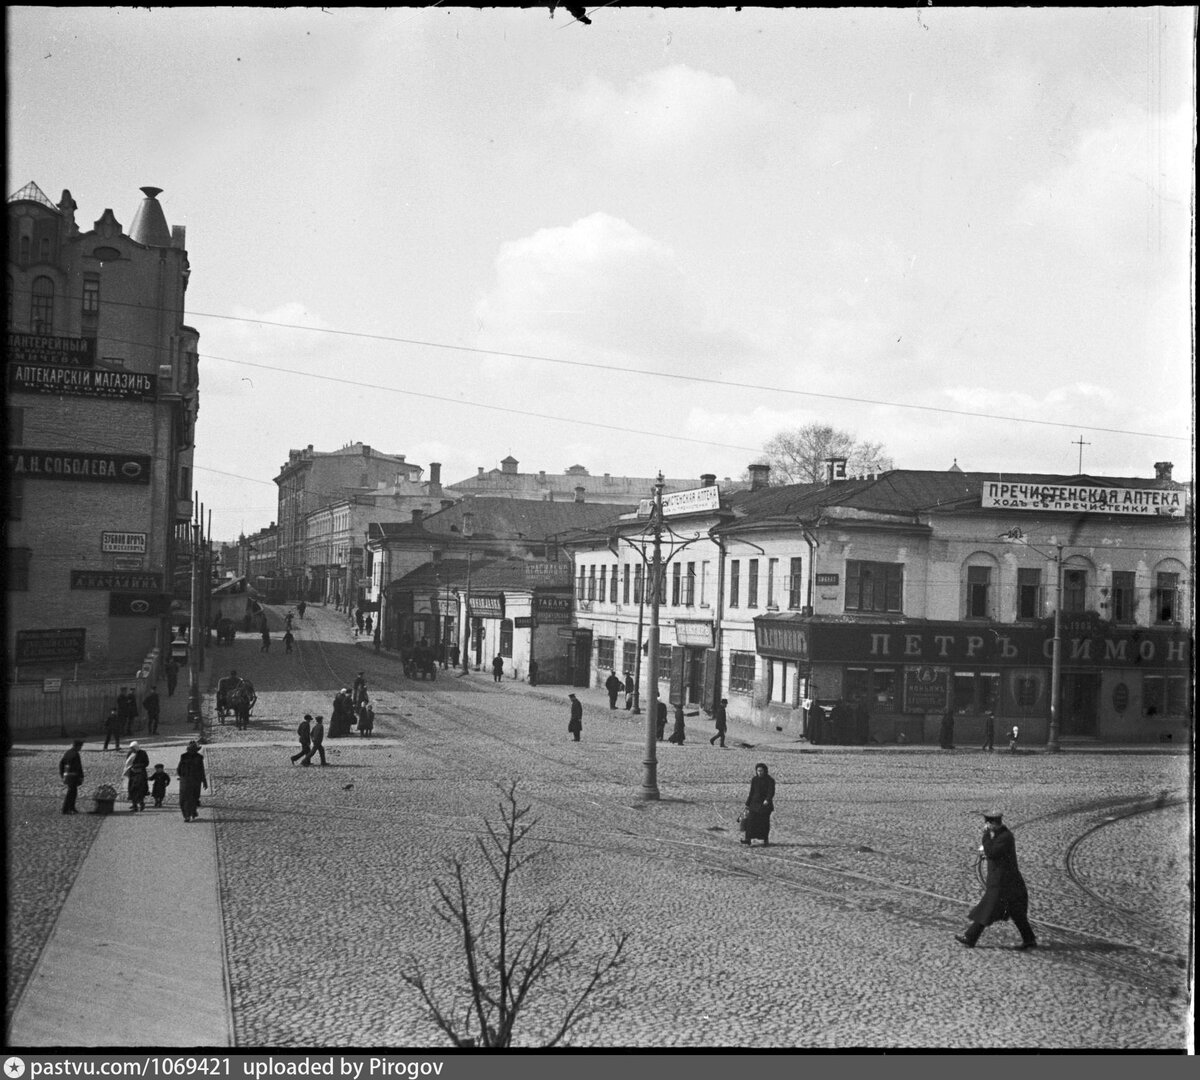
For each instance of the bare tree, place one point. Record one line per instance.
(798, 457)
(505, 965)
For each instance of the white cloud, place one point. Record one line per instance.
(600, 286)
(673, 114)
(1124, 195)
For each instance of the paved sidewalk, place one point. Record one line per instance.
(136, 958)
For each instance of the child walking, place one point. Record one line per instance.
(158, 784)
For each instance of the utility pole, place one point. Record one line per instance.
(194, 628)
(1056, 657)
(650, 763)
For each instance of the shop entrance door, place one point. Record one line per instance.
(1080, 700)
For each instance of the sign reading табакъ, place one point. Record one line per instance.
(1083, 498)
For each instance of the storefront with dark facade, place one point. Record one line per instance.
(880, 682)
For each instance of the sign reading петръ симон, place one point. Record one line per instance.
(1083, 498)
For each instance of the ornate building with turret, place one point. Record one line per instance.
(102, 399)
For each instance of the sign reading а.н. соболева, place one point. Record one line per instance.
(72, 465)
(80, 382)
(1083, 498)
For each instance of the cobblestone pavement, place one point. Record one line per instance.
(840, 934)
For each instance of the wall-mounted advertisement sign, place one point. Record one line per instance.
(487, 607)
(72, 465)
(547, 573)
(926, 688)
(50, 646)
(781, 637)
(126, 581)
(123, 543)
(696, 501)
(47, 349)
(81, 382)
(1083, 498)
(551, 610)
(137, 605)
(827, 579)
(694, 632)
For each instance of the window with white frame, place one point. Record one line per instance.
(735, 575)
(795, 584)
(781, 681)
(752, 584)
(1166, 597)
(1029, 594)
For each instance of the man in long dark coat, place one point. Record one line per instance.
(1005, 895)
(303, 733)
(575, 724)
(70, 768)
(614, 686)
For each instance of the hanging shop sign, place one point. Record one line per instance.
(123, 543)
(50, 646)
(926, 688)
(82, 382)
(125, 581)
(1083, 498)
(696, 632)
(72, 465)
(47, 349)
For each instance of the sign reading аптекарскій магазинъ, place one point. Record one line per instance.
(1083, 498)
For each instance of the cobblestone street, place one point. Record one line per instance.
(840, 934)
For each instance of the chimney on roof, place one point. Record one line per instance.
(708, 479)
(760, 476)
(835, 470)
(435, 474)
(479, 475)
(541, 476)
(447, 503)
(579, 493)
(1162, 470)
(417, 514)
(366, 450)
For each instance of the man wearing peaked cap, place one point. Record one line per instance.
(1005, 895)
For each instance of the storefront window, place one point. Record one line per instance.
(506, 637)
(629, 655)
(976, 692)
(989, 692)
(1162, 696)
(964, 691)
(856, 686)
(741, 672)
(883, 689)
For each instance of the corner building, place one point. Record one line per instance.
(102, 384)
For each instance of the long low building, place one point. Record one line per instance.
(866, 610)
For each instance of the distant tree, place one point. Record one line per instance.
(798, 457)
(505, 965)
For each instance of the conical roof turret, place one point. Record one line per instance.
(150, 223)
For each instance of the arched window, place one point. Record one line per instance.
(41, 307)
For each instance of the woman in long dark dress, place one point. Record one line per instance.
(191, 780)
(136, 766)
(759, 804)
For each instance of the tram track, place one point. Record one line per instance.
(461, 723)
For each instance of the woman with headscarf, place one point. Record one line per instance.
(191, 780)
(756, 825)
(135, 769)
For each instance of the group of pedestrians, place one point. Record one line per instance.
(311, 733)
(122, 718)
(141, 783)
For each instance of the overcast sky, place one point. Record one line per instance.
(650, 243)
